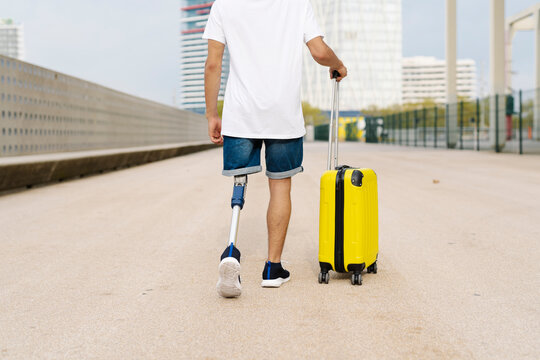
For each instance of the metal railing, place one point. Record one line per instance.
(466, 125)
(472, 128)
(43, 111)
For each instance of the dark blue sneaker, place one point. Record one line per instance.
(228, 284)
(274, 275)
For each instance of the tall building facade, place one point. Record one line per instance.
(367, 36)
(425, 78)
(11, 39)
(193, 52)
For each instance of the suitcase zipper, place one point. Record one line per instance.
(339, 261)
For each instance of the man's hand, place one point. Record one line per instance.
(214, 129)
(342, 70)
(325, 56)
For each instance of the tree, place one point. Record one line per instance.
(414, 112)
(373, 110)
(220, 108)
(313, 115)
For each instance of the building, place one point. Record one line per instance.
(193, 53)
(425, 78)
(11, 39)
(367, 36)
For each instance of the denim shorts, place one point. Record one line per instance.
(243, 156)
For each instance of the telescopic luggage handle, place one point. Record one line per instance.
(334, 125)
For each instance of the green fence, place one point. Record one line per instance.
(466, 125)
(321, 132)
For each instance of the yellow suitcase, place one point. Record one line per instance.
(348, 217)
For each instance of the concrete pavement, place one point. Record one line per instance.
(123, 265)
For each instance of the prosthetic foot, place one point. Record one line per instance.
(228, 284)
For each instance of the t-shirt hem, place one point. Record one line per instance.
(264, 136)
(216, 38)
(311, 37)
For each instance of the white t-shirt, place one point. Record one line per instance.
(265, 39)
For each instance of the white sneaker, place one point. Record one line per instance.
(228, 284)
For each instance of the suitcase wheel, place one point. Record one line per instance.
(356, 279)
(324, 277)
(372, 268)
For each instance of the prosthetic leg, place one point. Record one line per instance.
(229, 268)
(237, 203)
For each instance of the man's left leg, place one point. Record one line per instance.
(277, 219)
(278, 216)
(283, 161)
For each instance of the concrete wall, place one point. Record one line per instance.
(44, 111)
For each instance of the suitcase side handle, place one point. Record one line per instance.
(334, 124)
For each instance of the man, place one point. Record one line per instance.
(262, 105)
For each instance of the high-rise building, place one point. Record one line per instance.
(11, 39)
(366, 35)
(425, 78)
(193, 53)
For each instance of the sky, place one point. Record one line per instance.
(424, 34)
(133, 46)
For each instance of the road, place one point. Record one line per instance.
(123, 265)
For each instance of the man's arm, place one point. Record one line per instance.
(212, 83)
(325, 56)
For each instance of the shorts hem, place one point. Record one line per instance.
(266, 136)
(242, 171)
(284, 174)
